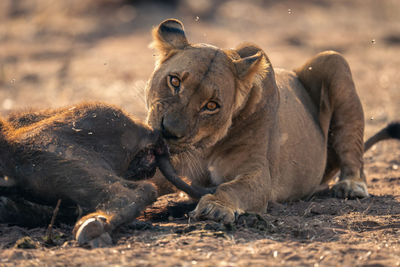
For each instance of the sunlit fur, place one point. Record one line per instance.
(277, 135)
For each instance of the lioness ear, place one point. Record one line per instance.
(169, 35)
(247, 67)
(250, 69)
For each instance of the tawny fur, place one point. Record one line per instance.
(276, 135)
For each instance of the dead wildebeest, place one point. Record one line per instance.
(91, 155)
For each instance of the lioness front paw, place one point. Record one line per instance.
(350, 189)
(92, 232)
(210, 208)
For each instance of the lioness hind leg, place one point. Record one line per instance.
(327, 78)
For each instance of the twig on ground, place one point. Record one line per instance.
(49, 233)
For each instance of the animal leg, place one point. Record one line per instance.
(120, 205)
(17, 211)
(327, 77)
(232, 199)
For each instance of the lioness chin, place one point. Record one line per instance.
(260, 134)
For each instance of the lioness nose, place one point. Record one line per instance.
(171, 128)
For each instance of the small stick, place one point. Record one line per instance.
(49, 232)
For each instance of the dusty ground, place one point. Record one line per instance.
(54, 53)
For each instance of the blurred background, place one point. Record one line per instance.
(55, 53)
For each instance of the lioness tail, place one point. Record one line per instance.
(392, 131)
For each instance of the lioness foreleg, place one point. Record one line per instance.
(246, 193)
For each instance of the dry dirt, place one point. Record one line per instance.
(54, 53)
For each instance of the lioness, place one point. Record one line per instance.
(260, 134)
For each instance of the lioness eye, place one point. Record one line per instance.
(211, 106)
(175, 83)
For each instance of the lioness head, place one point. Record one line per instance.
(197, 89)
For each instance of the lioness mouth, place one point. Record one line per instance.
(168, 135)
